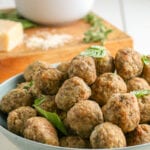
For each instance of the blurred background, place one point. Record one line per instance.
(131, 16)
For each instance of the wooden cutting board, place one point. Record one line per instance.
(15, 61)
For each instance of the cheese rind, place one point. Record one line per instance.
(11, 35)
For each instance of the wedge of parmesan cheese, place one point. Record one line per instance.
(11, 34)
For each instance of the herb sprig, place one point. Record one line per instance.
(39, 101)
(97, 32)
(14, 16)
(141, 93)
(95, 51)
(27, 87)
(50, 116)
(146, 60)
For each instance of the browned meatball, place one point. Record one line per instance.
(83, 67)
(14, 99)
(48, 103)
(35, 91)
(73, 142)
(31, 88)
(33, 69)
(106, 85)
(17, 118)
(107, 135)
(140, 135)
(84, 116)
(146, 71)
(104, 64)
(63, 67)
(49, 81)
(144, 104)
(123, 110)
(24, 85)
(137, 83)
(128, 63)
(41, 130)
(72, 91)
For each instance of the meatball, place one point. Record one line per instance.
(24, 85)
(84, 116)
(72, 91)
(146, 71)
(105, 64)
(49, 81)
(106, 85)
(128, 63)
(31, 88)
(14, 99)
(73, 142)
(33, 69)
(83, 67)
(122, 110)
(140, 135)
(35, 91)
(41, 130)
(144, 104)
(107, 135)
(137, 83)
(17, 118)
(48, 103)
(63, 67)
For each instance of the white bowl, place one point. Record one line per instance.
(53, 11)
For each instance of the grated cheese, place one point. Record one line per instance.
(45, 40)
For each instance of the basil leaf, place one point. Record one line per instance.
(28, 86)
(146, 60)
(39, 101)
(95, 51)
(53, 118)
(97, 32)
(31, 83)
(14, 16)
(141, 93)
(26, 23)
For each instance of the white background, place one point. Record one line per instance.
(131, 16)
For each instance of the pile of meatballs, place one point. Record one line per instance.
(92, 96)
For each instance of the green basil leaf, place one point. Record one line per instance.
(14, 16)
(39, 101)
(28, 86)
(31, 83)
(95, 51)
(141, 93)
(146, 60)
(53, 118)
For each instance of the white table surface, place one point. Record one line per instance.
(131, 16)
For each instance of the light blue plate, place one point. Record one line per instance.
(25, 144)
